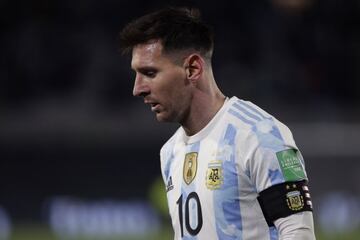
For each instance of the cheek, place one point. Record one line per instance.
(181, 97)
(180, 91)
(173, 86)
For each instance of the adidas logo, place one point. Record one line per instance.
(169, 185)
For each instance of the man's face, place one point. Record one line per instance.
(161, 82)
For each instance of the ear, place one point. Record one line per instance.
(194, 66)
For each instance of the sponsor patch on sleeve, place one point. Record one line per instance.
(290, 164)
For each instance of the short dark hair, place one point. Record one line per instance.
(177, 28)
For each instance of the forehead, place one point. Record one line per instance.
(147, 54)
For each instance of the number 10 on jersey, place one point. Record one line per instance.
(189, 212)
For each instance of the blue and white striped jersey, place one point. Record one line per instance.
(213, 177)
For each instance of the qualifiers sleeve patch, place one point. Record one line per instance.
(290, 165)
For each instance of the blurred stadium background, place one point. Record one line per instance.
(79, 155)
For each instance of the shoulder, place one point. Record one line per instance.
(247, 112)
(255, 119)
(245, 116)
(257, 129)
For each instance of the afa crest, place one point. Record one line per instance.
(190, 167)
(294, 200)
(214, 175)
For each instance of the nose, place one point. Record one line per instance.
(140, 87)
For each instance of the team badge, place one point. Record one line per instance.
(294, 200)
(214, 175)
(190, 167)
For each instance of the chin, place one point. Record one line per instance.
(163, 117)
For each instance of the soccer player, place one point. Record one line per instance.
(231, 170)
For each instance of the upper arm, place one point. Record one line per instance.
(298, 226)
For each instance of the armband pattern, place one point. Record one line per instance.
(284, 199)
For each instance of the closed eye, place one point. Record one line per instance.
(149, 72)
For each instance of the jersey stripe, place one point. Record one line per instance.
(169, 160)
(242, 109)
(274, 235)
(248, 106)
(227, 213)
(237, 115)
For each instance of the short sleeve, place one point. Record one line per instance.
(273, 156)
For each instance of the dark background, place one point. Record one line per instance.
(70, 126)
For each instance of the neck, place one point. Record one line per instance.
(206, 103)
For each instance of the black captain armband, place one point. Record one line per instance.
(284, 199)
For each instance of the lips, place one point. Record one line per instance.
(154, 105)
